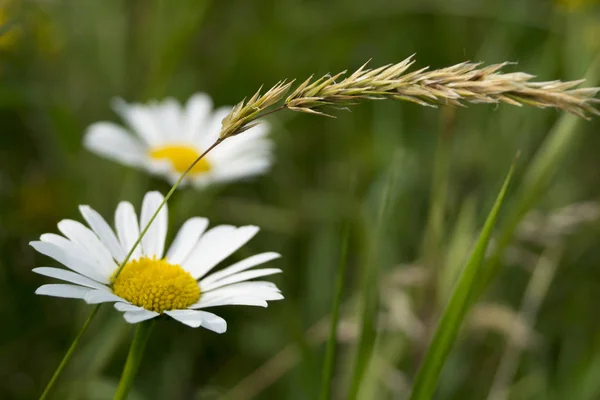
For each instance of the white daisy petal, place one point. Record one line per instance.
(113, 142)
(216, 245)
(169, 116)
(101, 296)
(248, 153)
(197, 113)
(63, 290)
(258, 131)
(240, 277)
(124, 307)
(235, 291)
(153, 242)
(254, 154)
(253, 289)
(141, 120)
(240, 266)
(195, 319)
(210, 132)
(216, 297)
(270, 296)
(202, 180)
(230, 301)
(84, 237)
(103, 231)
(133, 317)
(237, 294)
(252, 142)
(69, 276)
(242, 170)
(186, 239)
(128, 229)
(71, 256)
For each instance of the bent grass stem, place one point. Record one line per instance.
(69, 353)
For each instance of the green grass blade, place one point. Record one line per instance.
(378, 211)
(335, 316)
(445, 334)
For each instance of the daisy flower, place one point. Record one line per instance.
(151, 283)
(164, 138)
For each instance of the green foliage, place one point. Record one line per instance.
(457, 306)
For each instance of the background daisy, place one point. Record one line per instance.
(151, 283)
(165, 137)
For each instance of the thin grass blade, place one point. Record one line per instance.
(329, 363)
(451, 320)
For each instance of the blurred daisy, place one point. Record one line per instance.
(151, 284)
(165, 138)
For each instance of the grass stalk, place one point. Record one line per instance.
(369, 291)
(69, 353)
(328, 365)
(455, 85)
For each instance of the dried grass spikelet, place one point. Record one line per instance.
(464, 82)
(503, 320)
(546, 229)
(456, 85)
(244, 113)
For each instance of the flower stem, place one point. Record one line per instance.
(136, 351)
(69, 353)
(335, 316)
(167, 197)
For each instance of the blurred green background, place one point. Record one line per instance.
(437, 170)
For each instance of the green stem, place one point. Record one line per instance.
(162, 204)
(85, 326)
(444, 337)
(335, 315)
(369, 301)
(69, 353)
(134, 358)
(366, 341)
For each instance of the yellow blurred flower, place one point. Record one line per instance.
(9, 30)
(576, 5)
(591, 33)
(32, 23)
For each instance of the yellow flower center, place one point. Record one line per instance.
(156, 285)
(181, 157)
